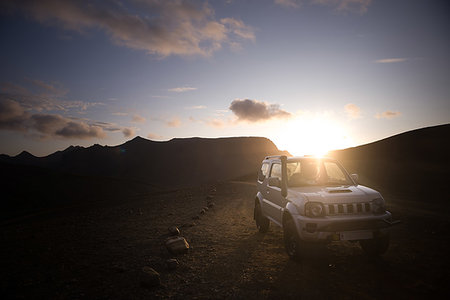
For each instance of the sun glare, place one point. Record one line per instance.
(312, 135)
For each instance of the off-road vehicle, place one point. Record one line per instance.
(315, 200)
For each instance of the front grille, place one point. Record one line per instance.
(348, 208)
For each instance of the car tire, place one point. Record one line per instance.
(375, 247)
(292, 242)
(262, 223)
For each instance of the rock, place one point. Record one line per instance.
(150, 278)
(209, 197)
(205, 208)
(172, 263)
(211, 204)
(173, 230)
(196, 217)
(177, 245)
(202, 211)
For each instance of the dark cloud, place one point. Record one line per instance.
(388, 114)
(128, 132)
(255, 111)
(162, 27)
(356, 6)
(42, 96)
(14, 117)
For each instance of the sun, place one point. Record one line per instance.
(311, 135)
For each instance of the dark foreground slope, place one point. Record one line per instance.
(415, 163)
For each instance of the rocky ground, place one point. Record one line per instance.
(104, 250)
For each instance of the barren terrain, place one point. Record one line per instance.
(97, 250)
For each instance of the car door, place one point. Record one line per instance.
(273, 201)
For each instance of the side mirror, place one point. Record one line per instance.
(355, 177)
(261, 176)
(274, 181)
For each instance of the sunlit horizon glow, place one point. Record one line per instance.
(312, 135)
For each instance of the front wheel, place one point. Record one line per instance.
(292, 241)
(375, 247)
(262, 223)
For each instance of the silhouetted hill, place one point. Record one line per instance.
(178, 162)
(414, 163)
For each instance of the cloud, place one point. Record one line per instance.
(42, 96)
(352, 111)
(128, 132)
(14, 117)
(217, 123)
(154, 136)
(138, 119)
(49, 89)
(256, 111)
(196, 107)
(388, 114)
(164, 28)
(356, 6)
(289, 3)
(390, 60)
(239, 28)
(175, 122)
(120, 114)
(182, 89)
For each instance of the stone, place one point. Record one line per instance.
(209, 197)
(211, 204)
(205, 208)
(202, 211)
(172, 263)
(173, 230)
(177, 245)
(150, 278)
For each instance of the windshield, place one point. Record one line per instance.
(311, 172)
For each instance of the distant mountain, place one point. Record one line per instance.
(178, 162)
(415, 163)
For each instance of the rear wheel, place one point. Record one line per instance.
(375, 247)
(262, 223)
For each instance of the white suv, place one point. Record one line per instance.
(316, 200)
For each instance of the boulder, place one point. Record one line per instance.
(172, 263)
(150, 278)
(177, 245)
(173, 230)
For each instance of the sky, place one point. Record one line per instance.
(311, 75)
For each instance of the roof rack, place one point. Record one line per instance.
(274, 156)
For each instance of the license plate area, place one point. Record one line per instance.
(356, 235)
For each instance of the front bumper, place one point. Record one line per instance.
(330, 228)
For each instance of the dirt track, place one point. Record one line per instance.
(98, 252)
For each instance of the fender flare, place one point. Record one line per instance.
(259, 198)
(289, 211)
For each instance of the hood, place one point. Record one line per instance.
(335, 195)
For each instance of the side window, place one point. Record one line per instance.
(265, 169)
(276, 171)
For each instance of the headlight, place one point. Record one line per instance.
(314, 209)
(378, 206)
